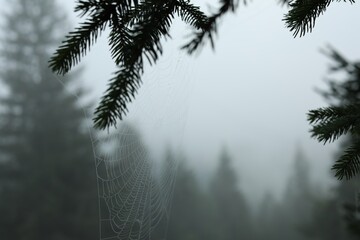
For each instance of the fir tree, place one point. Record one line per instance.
(47, 184)
(232, 211)
(268, 219)
(343, 94)
(298, 199)
(189, 218)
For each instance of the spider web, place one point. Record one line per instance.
(135, 182)
(132, 200)
(135, 196)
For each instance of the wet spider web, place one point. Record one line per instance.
(134, 202)
(135, 188)
(135, 185)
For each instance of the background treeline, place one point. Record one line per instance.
(48, 187)
(222, 211)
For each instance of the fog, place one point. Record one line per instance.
(248, 97)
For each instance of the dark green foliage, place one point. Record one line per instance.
(303, 14)
(332, 122)
(343, 116)
(47, 179)
(348, 164)
(208, 29)
(136, 31)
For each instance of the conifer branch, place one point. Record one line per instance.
(209, 28)
(122, 89)
(87, 7)
(332, 122)
(329, 114)
(348, 165)
(303, 14)
(119, 39)
(344, 117)
(191, 14)
(128, 48)
(78, 42)
(340, 62)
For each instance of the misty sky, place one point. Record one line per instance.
(250, 95)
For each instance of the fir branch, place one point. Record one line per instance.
(329, 114)
(122, 89)
(340, 63)
(146, 34)
(78, 42)
(128, 49)
(209, 29)
(348, 165)
(119, 39)
(191, 14)
(332, 130)
(332, 122)
(343, 117)
(345, 92)
(303, 14)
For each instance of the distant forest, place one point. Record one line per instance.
(57, 183)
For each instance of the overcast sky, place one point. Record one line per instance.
(250, 95)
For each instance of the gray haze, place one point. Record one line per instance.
(250, 95)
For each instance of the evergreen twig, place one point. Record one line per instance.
(303, 13)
